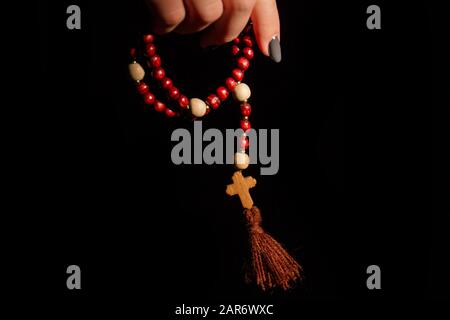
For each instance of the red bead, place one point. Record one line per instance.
(247, 40)
(150, 49)
(238, 74)
(183, 101)
(142, 87)
(174, 93)
(170, 113)
(148, 38)
(222, 93)
(246, 109)
(245, 125)
(230, 84)
(244, 143)
(159, 73)
(243, 63)
(208, 110)
(235, 50)
(166, 83)
(155, 61)
(248, 53)
(213, 101)
(149, 98)
(159, 106)
(237, 41)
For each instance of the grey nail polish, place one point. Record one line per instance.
(275, 49)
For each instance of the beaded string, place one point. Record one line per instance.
(241, 50)
(271, 265)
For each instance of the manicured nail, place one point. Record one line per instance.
(275, 49)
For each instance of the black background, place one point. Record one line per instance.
(149, 235)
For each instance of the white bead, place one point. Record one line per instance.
(137, 73)
(242, 92)
(198, 107)
(241, 160)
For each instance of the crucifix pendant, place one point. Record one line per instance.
(241, 186)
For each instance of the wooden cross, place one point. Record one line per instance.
(241, 186)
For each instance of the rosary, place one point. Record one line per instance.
(271, 265)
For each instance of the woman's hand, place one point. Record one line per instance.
(220, 20)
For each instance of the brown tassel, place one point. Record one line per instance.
(271, 265)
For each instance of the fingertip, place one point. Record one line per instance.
(268, 42)
(266, 24)
(236, 14)
(269, 45)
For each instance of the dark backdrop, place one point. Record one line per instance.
(110, 200)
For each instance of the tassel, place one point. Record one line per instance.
(271, 265)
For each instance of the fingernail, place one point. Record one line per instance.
(275, 49)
